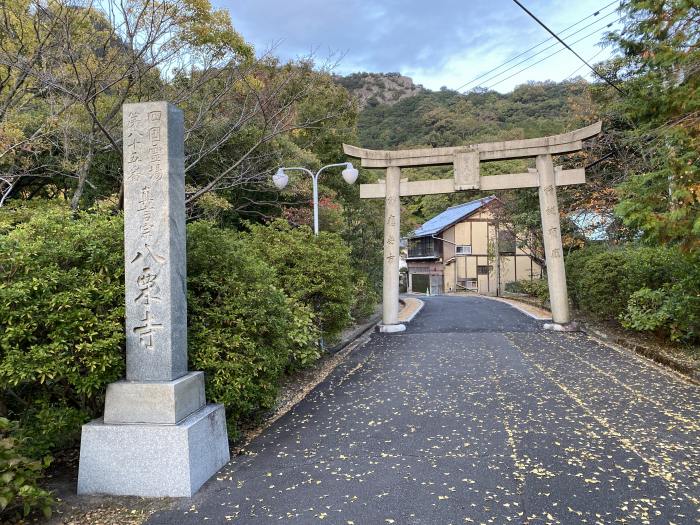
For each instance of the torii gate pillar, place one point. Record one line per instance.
(467, 176)
(551, 233)
(392, 222)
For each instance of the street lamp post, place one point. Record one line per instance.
(280, 179)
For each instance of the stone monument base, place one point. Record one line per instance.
(159, 402)
(152, 460)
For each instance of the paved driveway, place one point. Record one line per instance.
(473, 415)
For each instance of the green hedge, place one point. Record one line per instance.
(314, 270)
(243, 330)
(645, 288)
(534, 287)
(252, 303)
(62, 308)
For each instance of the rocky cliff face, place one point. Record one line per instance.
(372, 89)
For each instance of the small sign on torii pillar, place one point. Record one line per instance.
(466, 161)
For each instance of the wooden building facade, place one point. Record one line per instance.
(455, 251)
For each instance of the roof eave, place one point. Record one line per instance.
(463, 217)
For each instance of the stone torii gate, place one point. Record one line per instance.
(466, 161)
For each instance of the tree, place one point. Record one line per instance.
(63, 104)
(660, 41)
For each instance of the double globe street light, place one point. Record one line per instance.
(280, 179)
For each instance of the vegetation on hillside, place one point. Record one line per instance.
(643, 172)
(262, 289)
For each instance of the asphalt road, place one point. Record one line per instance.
(473, 415)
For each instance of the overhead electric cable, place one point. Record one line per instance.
(606, 79)
(596, 13)
(568, 77)
(550, 47)
(545, 58)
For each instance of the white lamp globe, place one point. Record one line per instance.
(350, 173)
(280, 179)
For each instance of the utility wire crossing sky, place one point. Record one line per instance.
(452, 43)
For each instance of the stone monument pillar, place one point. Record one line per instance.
(551, 233)
(158, 437)
(392, 218)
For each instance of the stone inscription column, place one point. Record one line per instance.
(392, 213)
(154, 242)
(551, 232)
(158, 436)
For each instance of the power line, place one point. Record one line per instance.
(596, 13)
(606, 79)
(582, 66)
(550, 47)
(545, 58)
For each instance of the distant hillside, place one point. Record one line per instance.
(449, 118)
(373, 89)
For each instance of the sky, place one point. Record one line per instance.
(436, 42)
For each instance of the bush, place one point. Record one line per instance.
(682, 305)
(312, 269)
(533, 287)
(19, 477)
(646, 310)
(244, 332)
(601, 280)
(365, 298)
(646, 288)
(62, 306)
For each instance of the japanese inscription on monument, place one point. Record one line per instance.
(154, 229)
(158, 436)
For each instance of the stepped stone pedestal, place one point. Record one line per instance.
(158, 436)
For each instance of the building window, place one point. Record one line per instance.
(506, 242)
(423, 247)
(467, 284)
(483, 270)
(464, 249)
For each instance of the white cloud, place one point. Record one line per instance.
(438, 43)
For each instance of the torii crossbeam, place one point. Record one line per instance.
(466, 161)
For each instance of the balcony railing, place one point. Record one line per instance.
(424, 248)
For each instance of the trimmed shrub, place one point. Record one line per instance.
(645, 310)
(19, 477)
(533, 287)
(312, 269)
(602, 280)
(62, 311)
(682, 304)
(244, 332)
(365, 297)
(645, 288)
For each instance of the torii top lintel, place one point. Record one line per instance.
(466, 161)
(510, 149)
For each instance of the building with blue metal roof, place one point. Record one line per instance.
(455, 251)
(450, 216)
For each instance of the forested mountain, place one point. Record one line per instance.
(449, 118)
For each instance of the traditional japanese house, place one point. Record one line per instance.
(456, 251)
